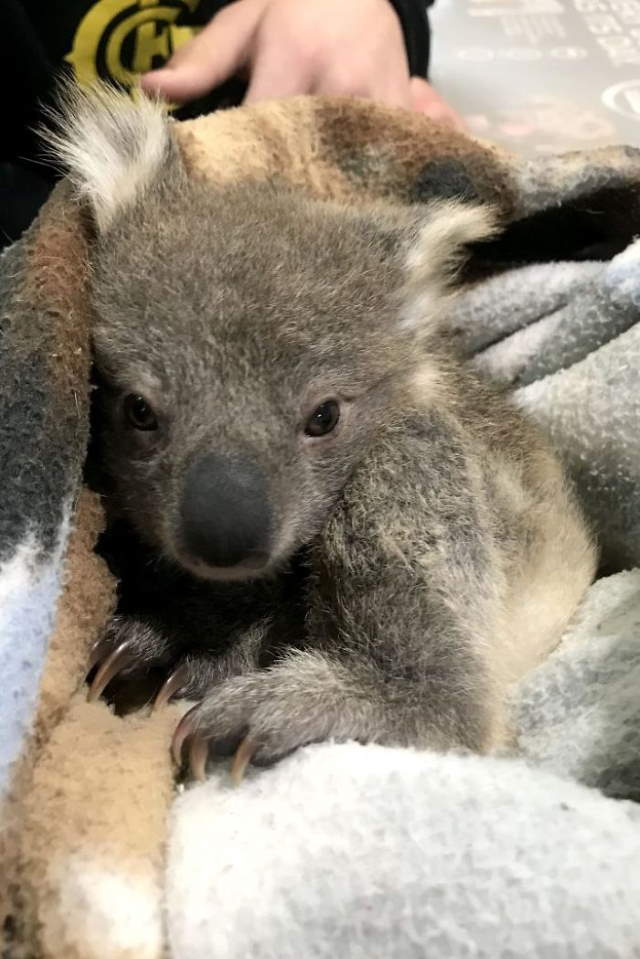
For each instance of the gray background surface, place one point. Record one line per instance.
(541, 75)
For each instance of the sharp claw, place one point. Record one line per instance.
(198, 753)
(98, 651)
(244, 755)
(111, 666)
(173, 683)
(183, 730)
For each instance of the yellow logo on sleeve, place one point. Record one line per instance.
(120, 39)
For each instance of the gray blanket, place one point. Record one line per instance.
(567, 336)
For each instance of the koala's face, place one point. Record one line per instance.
(250, 347)
(247, 354)
(250, 343)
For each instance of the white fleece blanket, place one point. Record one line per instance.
(352, 852)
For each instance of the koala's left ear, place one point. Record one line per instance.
(435, 258)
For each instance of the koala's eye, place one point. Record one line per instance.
(139, 413)
(323, 419)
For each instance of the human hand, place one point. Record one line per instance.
(424, 99)
(290, 47)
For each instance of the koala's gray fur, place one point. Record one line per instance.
(422, 556)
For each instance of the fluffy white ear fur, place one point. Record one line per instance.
(109, 145)
(433, 260)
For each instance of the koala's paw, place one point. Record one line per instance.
(264, 715)
(133, 663)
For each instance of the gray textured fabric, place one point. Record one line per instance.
(43, 433)
(355, 852)
(567, 337)
(578, 714)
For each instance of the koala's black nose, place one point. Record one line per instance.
(225, 512)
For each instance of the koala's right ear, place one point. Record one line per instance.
(445, 231)
(110, 147)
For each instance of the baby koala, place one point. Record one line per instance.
(335, 529)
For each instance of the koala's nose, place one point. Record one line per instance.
(225, 512)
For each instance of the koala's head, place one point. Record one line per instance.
(251, 342)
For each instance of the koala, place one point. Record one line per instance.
(332, 527)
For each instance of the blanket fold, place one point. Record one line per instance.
(566, 336)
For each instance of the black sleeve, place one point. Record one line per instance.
(417, 36)
(25, 74)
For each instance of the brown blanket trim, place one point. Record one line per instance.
(354, 151)
(87, 600)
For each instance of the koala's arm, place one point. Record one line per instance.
(399, 603)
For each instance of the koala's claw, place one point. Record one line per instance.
(186, 733)
(100, 648)
(185, 728)
(136, 656)
(198, 752)
(197, 742)
(172, 685)
(244, 755)
(116, 661)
